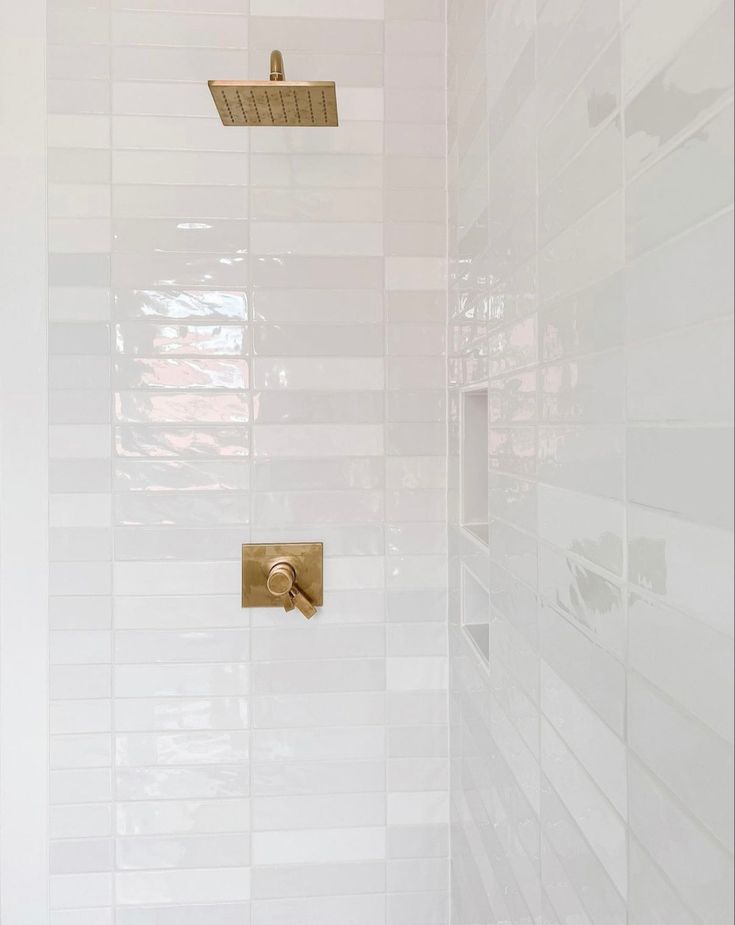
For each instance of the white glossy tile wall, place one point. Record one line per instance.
(247, 342)
(590, 211)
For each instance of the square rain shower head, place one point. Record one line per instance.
(270, 102)
(275, 101)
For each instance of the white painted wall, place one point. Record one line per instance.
(590, 152)
(23, 468)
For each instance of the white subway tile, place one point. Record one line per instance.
(348, 36)
(317, 440)
(217, 914)
(408, 273)
(189, 853)
(590, 601)
(598, 749)
(685, 659)
(689, 185)
(652, 897)
(705, 60)
(317, 238)
(689, 857)
(687, 565)
(319, 373)
(319, 846)
(90, 750)
(321, 777)
(645, 45)
(329, 171)
(584, 525)
(603, 828)
(326, 642)
(593, 673)
(320, 9)
(181, 817)
(342, 340)
(318, 744)
(78, 682)
(85, 821)
(189, 30)
(67, 441)
(318, 812)
(166, 749)
(194, 783)
(662, 287)
(79, 304)
(180, 167)
(79, 891)
(188, 646)
(695, 763)
(183, 886)
(680, 359)
(83, 856)
(317, 880)
(82, 917)
(406, 674)
(170, 714)
(291, 711)
(684, 471)
(418, 808)
(585, 253)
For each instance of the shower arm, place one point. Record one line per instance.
(277, 68)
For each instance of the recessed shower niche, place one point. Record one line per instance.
(476, 613)
(474, 462)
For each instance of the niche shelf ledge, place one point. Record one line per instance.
(476, 615)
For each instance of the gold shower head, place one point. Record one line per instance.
(275, 101)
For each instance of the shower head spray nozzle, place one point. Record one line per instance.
(275, 101)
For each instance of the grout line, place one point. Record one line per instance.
(47, 325)
(538, 600)
(447, 450)
(113, 539)
(625, 487)
(385, 415)
(250, 322)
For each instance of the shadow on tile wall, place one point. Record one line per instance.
(590, 209)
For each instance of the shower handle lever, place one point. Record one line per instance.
(282, 583)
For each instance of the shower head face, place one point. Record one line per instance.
(275, 102)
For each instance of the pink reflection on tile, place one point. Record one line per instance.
(176, 374)
(181, 408)
(186, 340)
(181, 304)
(156, 442)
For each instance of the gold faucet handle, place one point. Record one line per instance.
(282, 583)
(300, 600)
(281, 579)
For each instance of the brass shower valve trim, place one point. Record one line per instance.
(289, 575)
